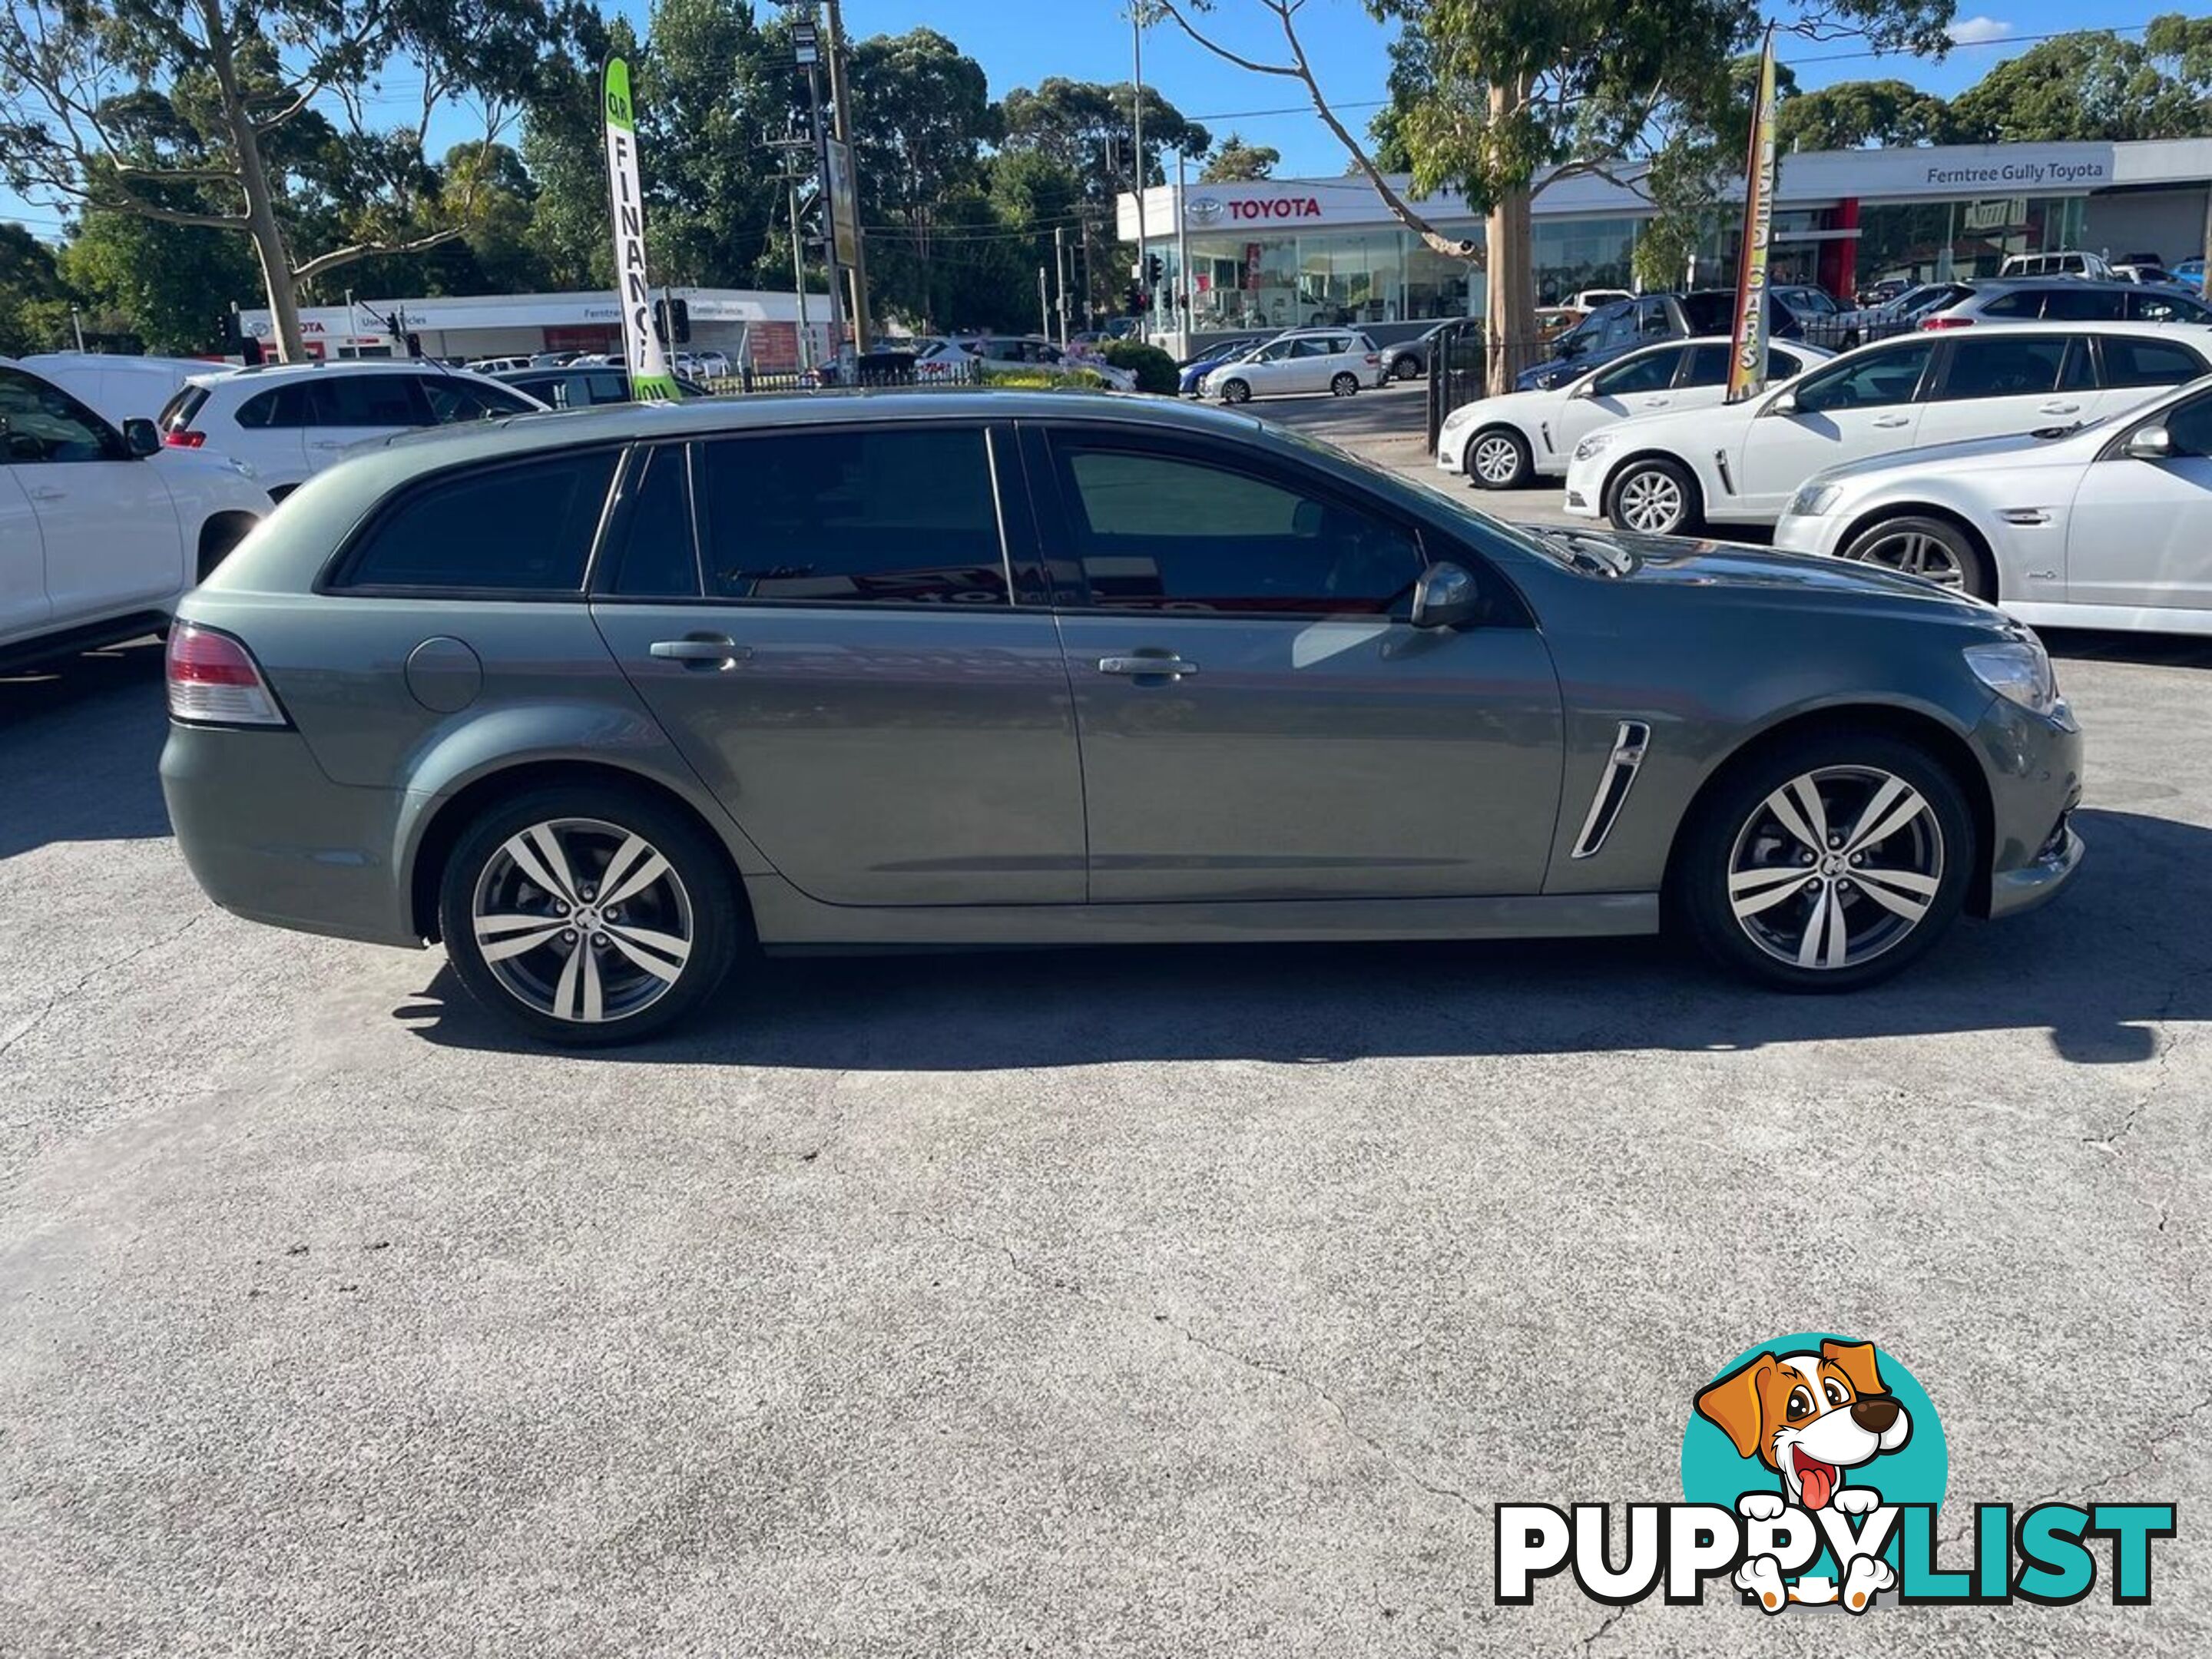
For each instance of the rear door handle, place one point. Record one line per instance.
(1657, 402)
(2056, 408)
(1169, 667)
(48, 493)
(1894, 421)
(707, 650)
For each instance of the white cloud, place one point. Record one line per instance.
(1979, 32)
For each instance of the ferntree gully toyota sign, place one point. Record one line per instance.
(1208, 209)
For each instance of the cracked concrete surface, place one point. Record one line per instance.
(1128, 1303)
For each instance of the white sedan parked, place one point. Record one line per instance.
(1742, 463)
(1501, 442)
(1337, 359)
(2109, 525)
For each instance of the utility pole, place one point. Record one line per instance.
(1137, 121)
(806, 51)
(1189, 310)
(1044, 304)
(790, 150)
(842, 108)
(1059, 273)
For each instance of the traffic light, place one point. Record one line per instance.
(1135, 299)
(1153, 269)
(1121, 154)
(671, 319)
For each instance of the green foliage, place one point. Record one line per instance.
(171, 283)
(1852, 114)
(1235, 162)
(1155, 370)
(1036, 379)
(33, 298)
(2095, 85)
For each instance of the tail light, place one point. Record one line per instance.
(1947, 322)
(213, 681)
(183, 438)
(1373, 358)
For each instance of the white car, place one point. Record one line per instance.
(702, 365)
(498, 365)
(100, 528)
(1337, 359)
(1590, 299)
(117, 388)
(289, 421)
(1741, 463)
(1034, 354)
(1502, 442)
(2109, 525)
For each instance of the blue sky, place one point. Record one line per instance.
(1020, 42)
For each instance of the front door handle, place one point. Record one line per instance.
(1894, 421)
(2056, 408)
(326, 443)
(48, 493)
(1657, 402)
(702, 650)
(1163, 664)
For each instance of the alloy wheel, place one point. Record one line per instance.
(1236, 391)
(1835, 867)
(1497, 460)
(582, 921)
(1916, 553)
(1652, 501)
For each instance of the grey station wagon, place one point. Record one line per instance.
(603, 699)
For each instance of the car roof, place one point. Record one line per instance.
(2055, 284)
(264, 374)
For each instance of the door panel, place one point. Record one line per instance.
(1258, 719)
(1864, 405)
(2141, 531)
(1998, 382)
(354, 408)
(107, 519)
(856, 687)
(23, 607)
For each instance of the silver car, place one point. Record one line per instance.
(606, 701)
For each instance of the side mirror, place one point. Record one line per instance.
(1445, 597)
(141, 436)
(2149, 443)
(1785, 403)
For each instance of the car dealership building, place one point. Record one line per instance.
(1284, 252)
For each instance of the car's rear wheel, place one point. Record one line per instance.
(1921, 546)
(1236, 391)
(1406, 367)
(1827, 863)
(1345, 384)
(1497, 458)
(589, 915)
(1654, 495)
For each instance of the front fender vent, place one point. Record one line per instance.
(1629, 743)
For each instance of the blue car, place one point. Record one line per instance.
(1613, 331)
(2190, 273)
(1194, 369)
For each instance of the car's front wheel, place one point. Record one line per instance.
(589, 915)
(1345, 384)
(1497, 458)
(1405, 368)
(1827, 863)
(1921, 546)
(1236, 391)
(1654, 495)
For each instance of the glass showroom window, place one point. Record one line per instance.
(1573, 254)
(1436, 286)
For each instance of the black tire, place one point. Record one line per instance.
(1344, 384)
(704, 901)
(1406, 367)
(1629, 482)
(1736, 838)
(1236, 391)
(1922, 546)
(1497, 439)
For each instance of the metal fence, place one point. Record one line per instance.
(877, 369)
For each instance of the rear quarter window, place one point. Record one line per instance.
(526, 528)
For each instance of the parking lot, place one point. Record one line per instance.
(1130, 1302)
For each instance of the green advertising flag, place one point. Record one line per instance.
(650, 380)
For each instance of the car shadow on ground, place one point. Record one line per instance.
(2129, 946)
(80, 748)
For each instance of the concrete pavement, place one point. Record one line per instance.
(1130, 1302)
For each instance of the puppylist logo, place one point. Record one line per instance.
(1813, 1467)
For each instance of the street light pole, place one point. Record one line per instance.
(1060, 274)
(806, 49)
(842, 108)
(1137, 122)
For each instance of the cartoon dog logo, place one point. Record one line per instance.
(1810, 1418)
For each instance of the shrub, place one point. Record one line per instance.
(1036, 380)
(1154, 370)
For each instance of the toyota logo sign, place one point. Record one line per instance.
(1204, 210)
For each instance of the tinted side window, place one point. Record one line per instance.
(2003, 364)
(1158, 532)
(2020, 302)
(1651, 372)
(1780, 365)
(458, 400)
(606, 386)
(658, 558)
(367, 400)
(828, 516)
(42, 422)
(2190, 428)
(1709, 365)
(2155, 306)
(1873, 382)
(2148, 362)
(2081, 304)
(524, 529)
(279, 406)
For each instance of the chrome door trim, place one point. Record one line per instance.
(1630, 741)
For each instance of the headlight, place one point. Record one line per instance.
(1596, 444)
(1459, 417)
(2019, 670)
(1812, 500)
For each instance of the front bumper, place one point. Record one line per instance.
(2032, 764)
(1451, 452)
(269, 838)
(1806, 535)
